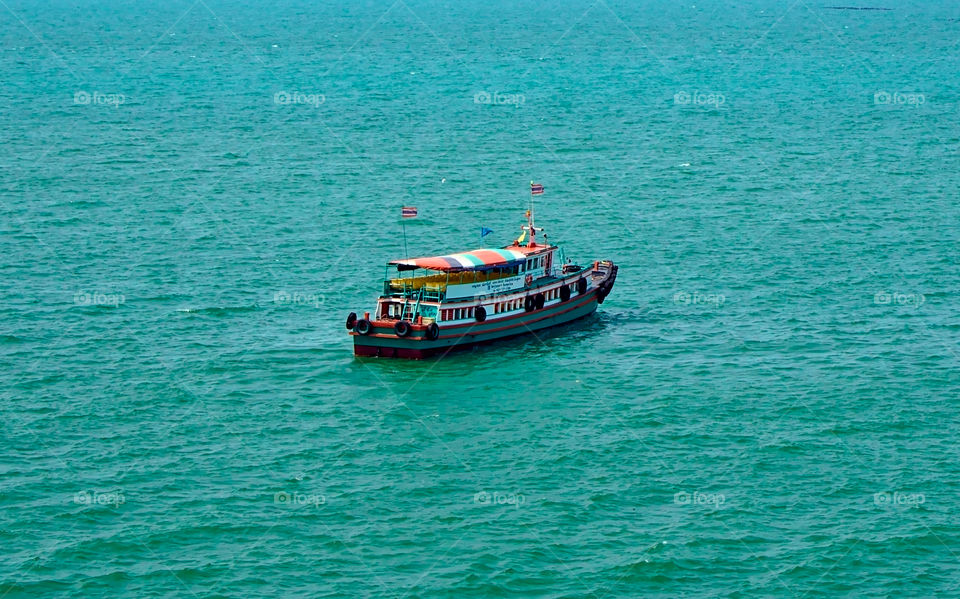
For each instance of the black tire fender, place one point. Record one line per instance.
(528, 303)
(564, 293)
(363, 327)
(582, 286)
(433, 331)
(402, 328)
(540, 300)
(480, 313)
(351, 320)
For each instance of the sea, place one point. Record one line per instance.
(196, 193)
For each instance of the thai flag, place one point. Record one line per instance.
(408, 211)
(536, 188)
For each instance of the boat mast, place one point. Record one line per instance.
(531, 227)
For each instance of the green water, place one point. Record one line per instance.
(765, 406)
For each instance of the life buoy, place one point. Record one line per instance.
(363, 327)
(433, 331)
(528, 303)
(582, 286)
(528, 280)
(402, 328)
(564, 293)
(480, 313)
(351, 320)
(540, 300)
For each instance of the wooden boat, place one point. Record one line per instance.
(435, 304)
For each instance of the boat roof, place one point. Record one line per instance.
(473, 260)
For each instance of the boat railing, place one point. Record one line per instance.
(406, 290)
(434, 286)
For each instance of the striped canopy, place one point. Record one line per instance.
(472, 260)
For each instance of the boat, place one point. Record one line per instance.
(433, 305)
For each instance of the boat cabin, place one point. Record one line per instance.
(450, 286)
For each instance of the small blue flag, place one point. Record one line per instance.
(484, 232)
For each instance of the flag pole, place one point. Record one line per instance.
(403, 226)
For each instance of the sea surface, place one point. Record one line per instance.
(196, 193)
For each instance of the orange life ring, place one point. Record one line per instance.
(529, 279)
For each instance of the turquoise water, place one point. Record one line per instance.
(195, 195)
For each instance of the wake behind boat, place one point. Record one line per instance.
(434, 304)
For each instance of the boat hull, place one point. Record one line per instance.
(383, 342)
